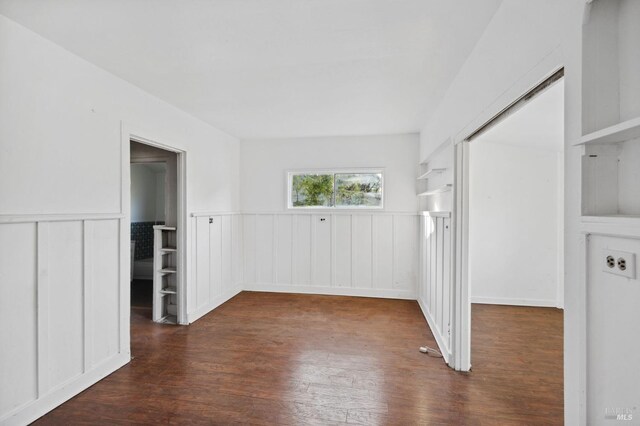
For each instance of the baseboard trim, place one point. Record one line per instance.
(332, 291)
(540, 303)
(37, 408)
(204, 310)
(444, 350)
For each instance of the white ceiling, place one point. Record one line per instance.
(275, 68)
(539, 123)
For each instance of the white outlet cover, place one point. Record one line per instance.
(630, 258)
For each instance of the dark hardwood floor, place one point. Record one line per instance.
(265, 358)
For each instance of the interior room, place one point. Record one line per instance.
(319, 212)
(516, 171)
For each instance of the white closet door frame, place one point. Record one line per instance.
(131, 133)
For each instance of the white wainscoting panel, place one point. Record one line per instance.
(217, 261)
(60, 301)
(434, 288)
(362, 254)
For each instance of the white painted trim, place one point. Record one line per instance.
(203, 310)
(34, 218)
(444, 350)
(204, 214)
(33, 410)
(551, 303)
(331, 291)
(329, 212)
(461, 306)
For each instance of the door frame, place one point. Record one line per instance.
(461, 315)
(130, 134)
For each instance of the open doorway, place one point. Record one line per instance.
(154, 242)
(515, 237)
(505, 252)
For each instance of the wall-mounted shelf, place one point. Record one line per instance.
(438, 190)
(431, 172)
(620, 132)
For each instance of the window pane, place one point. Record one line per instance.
(312, 190)
(359, 189)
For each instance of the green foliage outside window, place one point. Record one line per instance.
(312, 190)
(336, 190)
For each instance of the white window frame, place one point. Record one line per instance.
(376, 170)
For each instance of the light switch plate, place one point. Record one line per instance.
(619, 262)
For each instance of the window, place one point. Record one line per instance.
(336, 189)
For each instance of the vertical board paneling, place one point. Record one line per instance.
(433, 264)
(437, 291)
(373, 253)
(65, 320)
(202, 261)
(105, 255)
(215, 258)
(405, 230)
(226, 253)
(434, 290)
(284, 250)
(446, 289)
(18, 333)
(264, 248)
(383, 250)
(361, 244)
(249, 230)
(237, 240)
(342, 250)
(322, 250)
(302, 252)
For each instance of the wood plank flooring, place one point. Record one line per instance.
(266, 358)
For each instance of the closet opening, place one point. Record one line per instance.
(511, 235)
(155, 276)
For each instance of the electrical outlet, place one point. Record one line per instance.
(619, 263)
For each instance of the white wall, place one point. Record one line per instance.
(514, 255)
(266, 162)
(523, 43)
(365, 253)
(60, 138)
(147, 194)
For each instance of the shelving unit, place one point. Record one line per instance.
(431, 172)
(165, 275)
(438, 190)
(611, 113)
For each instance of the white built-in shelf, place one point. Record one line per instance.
(167, 270)
(165, 228)
(169, 290)
(438, 190)
(613, 218)
(168, 250)
(431, 172)
(620, 132)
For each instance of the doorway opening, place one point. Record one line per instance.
(510, 230)
(156, 293)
